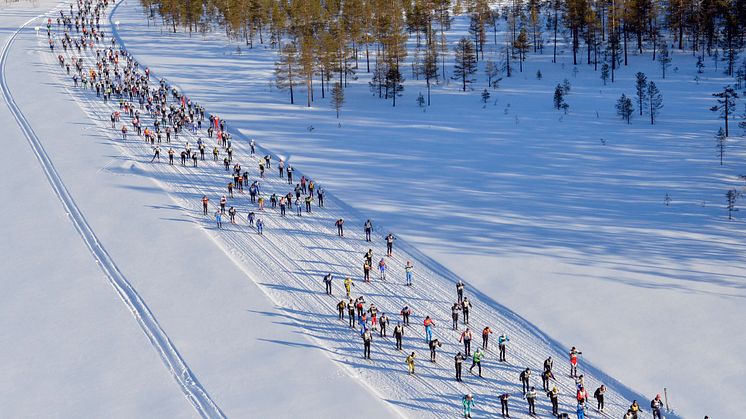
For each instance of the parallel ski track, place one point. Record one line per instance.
(158, 338)
(288, 262)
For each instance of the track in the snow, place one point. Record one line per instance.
(189, 384)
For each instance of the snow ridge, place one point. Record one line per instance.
(148, 323)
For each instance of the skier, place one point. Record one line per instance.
(554, 398)
(582, 396)
(525, 380)
(340, 227)
(458, 363)
(218, 219)
(486, 332)
(634, 408)
(260, 226)
(382, 269)
(156, 154)
(468, 403)
(580, 411)
(367, 339)
(232, 214)
(460, 290)
(383, 321)
(656, 405)
(465, 307)
(405, 313)
(548, 363)
(574, 361)
(366, 271)
(502, 343)
(599, 396)
(390, 244)
(428, 329)
(205, 200)
(408, 271)
(348, 283)
(223, 201)
(476, 361)
(351, 311)
(341, 308)
(328, 283)
(368, 228)
(320, 196)
(504, 404)
(410, 363)
(171, 156)
(454, 314)
(545, 377)
(434, 344)
(250, 218)
(466, 337)
(398, 334)
(531, 399)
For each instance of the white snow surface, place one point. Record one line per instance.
(560, 218)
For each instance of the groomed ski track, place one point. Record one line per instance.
(295, 252)
(158, 338)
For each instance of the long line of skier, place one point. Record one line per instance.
(162, 117)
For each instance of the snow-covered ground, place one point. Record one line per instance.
(69, 346)
(558, 217)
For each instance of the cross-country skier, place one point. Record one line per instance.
(367, 339)
(545, 377)
(205, 200)
(476, 361)
(398, 334)
(348, 284)
(466, 337)
(599, 396)
(341, 305)
(368, 227)
(554, 399)
(382, 269)
(408, 271)
(351, 312)
(384, 322)
(219, 219)
(410, 362)
(405, 313)
(531, 399)
(428, 322)
(486, 332)
(525, 377)
(465, 308)
(504, 404)
(502, 343)
(328, 283)
(458, 361)
(259, 226)
(390, 244)
(460, 290)
(454, 314)
(434, 344)
(340, 227)
(232, 214)
(574, 362)
(468, 403)
(656, 405)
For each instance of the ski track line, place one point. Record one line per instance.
(189, 384)
(267, 255)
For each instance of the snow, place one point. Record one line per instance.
(540, 216)
(527, 204)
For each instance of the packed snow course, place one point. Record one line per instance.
(289, 260)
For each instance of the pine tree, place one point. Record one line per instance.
(466, 62)
(522, 45)
(731, 196)
(664, 57)
(641, 88)
(624, 107)
(726, 104)
(286, 70)
(655, 100)
(338, 97)
(559, 97)
(605, 73)
(430, 67)
(485, 96)
(720, 140)
(491, 71)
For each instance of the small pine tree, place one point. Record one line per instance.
(664, 57)
(655, 100)
(338, 97)
(720, 142)
(605, 73)
(466, 62)
(420, 100)
(726, 104)
(641, 88)
(566, 86)
(731, 196)
(700, 65)
(559, 97)
(485, 96)
(538, 75)
(624, 107)
(491, 71)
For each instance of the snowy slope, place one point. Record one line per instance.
(526, 203)
(69, 347)
(290, 274)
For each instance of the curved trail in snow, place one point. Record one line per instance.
(158, 339)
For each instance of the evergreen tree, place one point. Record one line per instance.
(430, 67)
(485, 96)
(624, 107)
(522, 45)
(605, 73)
(491, 71)
(664, 57)
(726, 104)
(731, 196)
(641, 88)
(720, 140)
(559, 97)
(655, 100)
(466, 62)
(286, 70)
(338, 97)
